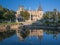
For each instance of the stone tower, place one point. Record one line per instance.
(21, 8)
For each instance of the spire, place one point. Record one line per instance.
(40, 8)
(21, 8)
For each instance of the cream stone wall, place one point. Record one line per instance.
(36, 32)
(36, 15)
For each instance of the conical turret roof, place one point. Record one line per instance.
(40, 8)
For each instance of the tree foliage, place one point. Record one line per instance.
(24, 14)
(51, 18)
(6, 14)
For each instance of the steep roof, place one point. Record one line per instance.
(40, 8)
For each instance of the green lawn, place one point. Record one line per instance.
(5, 23)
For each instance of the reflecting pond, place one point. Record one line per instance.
(26, 36)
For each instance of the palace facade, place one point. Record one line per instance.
(34, 14)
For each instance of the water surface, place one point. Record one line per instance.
(30, 37)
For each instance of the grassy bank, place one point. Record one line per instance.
(9, 23)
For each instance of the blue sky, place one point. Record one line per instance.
(47, 5)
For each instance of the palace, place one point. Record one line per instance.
(34, 14)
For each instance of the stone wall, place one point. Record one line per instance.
(9, 27)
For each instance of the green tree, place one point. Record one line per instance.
(49, 18)
(9, 15)
(6, 14)
(1, 12)
(24, 14)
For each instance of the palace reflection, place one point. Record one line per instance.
(36, 32)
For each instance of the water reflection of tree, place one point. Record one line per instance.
(24, 35)
(24, 32)
(6, 34)
(54, 32)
